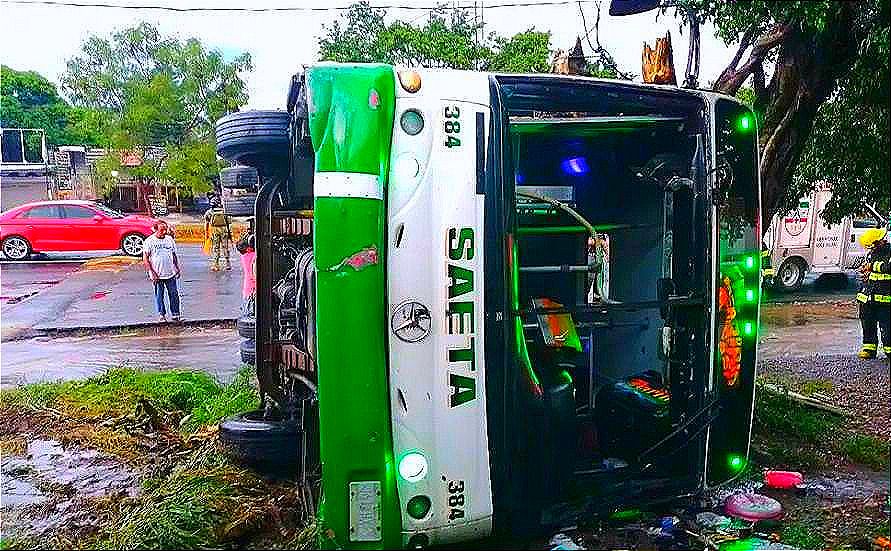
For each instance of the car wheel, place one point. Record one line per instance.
(239, 205)
(269, 445)
(791, 275)
(239, 177)
(16, 248)
(131, 244)
(246, 326)
(254, 138)
(248, 352)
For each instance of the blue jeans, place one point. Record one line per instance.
(172, 296)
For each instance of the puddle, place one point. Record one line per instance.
(44, 490)
(214, 350)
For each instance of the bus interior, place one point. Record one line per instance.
(608, 234)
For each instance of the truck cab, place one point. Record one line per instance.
(499, 302)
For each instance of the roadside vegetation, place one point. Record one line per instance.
(790, 435)
(163, 425)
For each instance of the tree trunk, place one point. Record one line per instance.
(807, 69)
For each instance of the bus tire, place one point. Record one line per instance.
(254, 138)
(239, 177)
(239, 205)
(246, 326)
(790, 276)
(270, 446)
(248, 352)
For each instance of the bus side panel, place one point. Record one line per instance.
(435, 266)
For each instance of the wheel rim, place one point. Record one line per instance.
(790, 275)
(15, 248)
(133, 245)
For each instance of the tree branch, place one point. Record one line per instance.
(731, 78)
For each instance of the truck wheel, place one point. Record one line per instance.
(239, 177)
(248, 352)
(254, 138)
(246, 326)
(790, 276)
(239, 205)
(270, 446)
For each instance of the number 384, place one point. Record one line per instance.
(452, 125)
(456, 499)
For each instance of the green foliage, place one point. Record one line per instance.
(525, 52)
(849, 147)
(117, 392)
(163, 91)
(194, 165)
(867, 450)
(28, 100)
(448, 38)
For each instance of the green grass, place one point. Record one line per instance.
(197, 396)
(779, 416)
(803, 534)
(867, 450)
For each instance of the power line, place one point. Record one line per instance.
(63, 3)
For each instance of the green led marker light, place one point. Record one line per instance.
(418, 507)
(745, 123)
(750, 262)
(750, 295)
(748, 328)
(735, 462)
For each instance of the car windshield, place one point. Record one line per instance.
(110, 212)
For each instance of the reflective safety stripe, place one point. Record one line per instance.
(765, 254)
(862, 298)
(873, 276)
(348, 184)
(882, 298)
(870, 347)
(886, 349)
(877, 266)
(768, 271)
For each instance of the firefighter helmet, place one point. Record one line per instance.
(871, 236)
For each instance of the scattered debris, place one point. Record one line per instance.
(752, 507)
(811, 401)
(562, 541)
(782, 480)
(712, 521)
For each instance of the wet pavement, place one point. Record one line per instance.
(117, 295)
(213, 350)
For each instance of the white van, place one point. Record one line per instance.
(800, 241)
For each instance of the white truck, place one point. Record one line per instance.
(801, 241)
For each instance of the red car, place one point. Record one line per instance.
(70, 226)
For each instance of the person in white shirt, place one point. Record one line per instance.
(159, 257)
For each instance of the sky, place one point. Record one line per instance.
(41, 37)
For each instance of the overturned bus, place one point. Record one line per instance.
(487, 303)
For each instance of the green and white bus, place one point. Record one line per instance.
(492, 302)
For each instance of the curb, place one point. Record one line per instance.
(30, 333)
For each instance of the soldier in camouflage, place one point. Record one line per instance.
(216, 228)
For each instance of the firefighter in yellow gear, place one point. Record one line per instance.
(216, 228)
(875, 293)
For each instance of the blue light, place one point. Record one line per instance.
(575, 166)
(520, 178)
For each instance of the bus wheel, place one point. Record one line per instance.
(248, 352)
(254, 138)
(790, 276)
(239, 177)
(267, 445)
